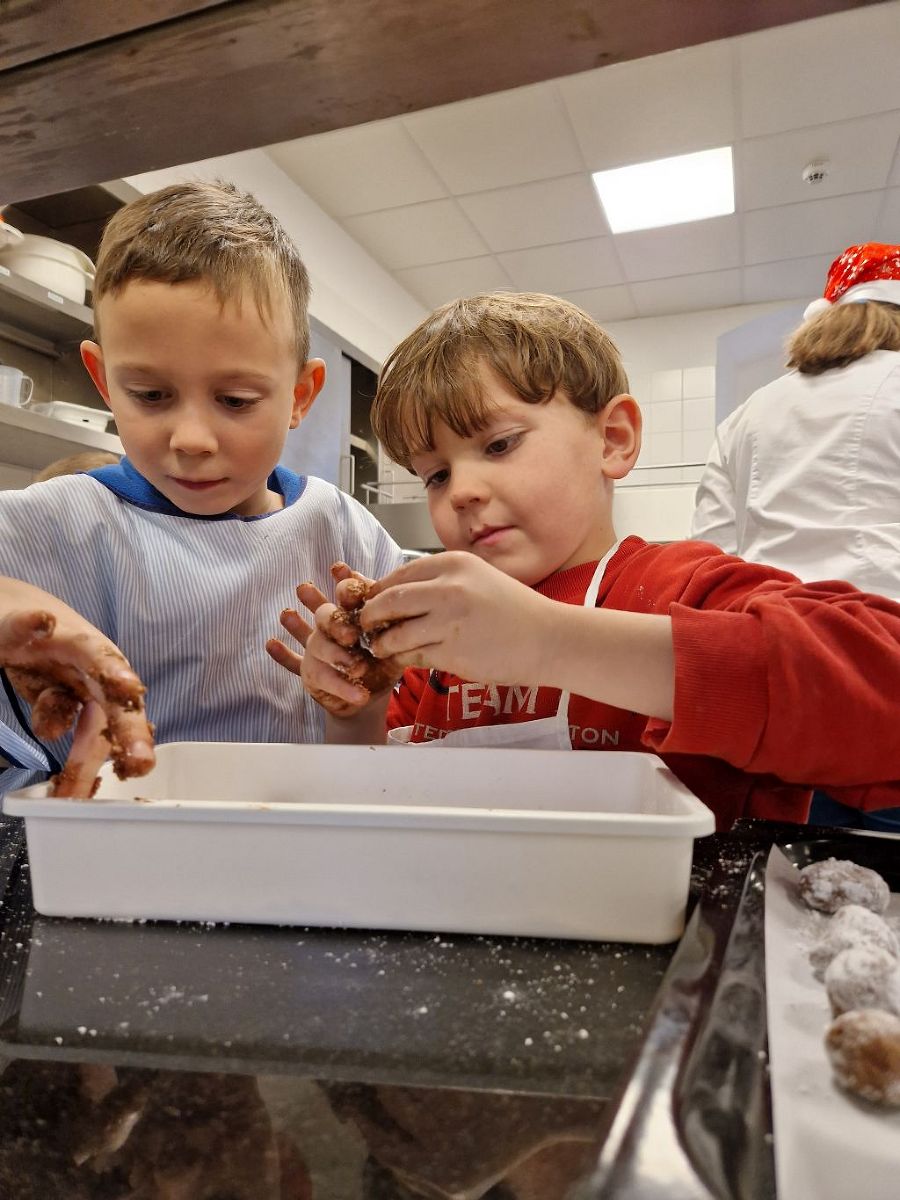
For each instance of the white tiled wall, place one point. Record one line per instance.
(671, 371)
(679, 408)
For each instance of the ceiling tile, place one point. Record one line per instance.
(495, 141)
(361, 169)
(859, 155)
(712, 245)
(791, 279)
(888, 229)
(536, 214)
(827, 69)
(685, 293)
(654, 107)
(567, 267)
(442, 282)
(818, 227)
(605, 304)
(418, 234)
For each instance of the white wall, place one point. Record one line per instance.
(352, 295)
(671, 370)
(671, 365)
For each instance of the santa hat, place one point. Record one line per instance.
(867, 272)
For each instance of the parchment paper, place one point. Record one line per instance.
(828, 1146)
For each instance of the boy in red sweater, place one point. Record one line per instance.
(541, 627)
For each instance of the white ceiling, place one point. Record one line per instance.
(495, 192)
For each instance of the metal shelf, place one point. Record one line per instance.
(39, 319)
(31, 440)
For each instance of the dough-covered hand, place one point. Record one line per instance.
(337, 671)
(454, 612)
(71, 674)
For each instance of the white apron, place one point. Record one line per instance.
(546, 733)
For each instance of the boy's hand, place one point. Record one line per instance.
(335, 670)
(454, 612)
(70, 673)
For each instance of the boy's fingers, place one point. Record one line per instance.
(88, 753)
(418, 570)
(346, 692)
(23, 628)
(53, 712)
(333, 625)
(131, 737)
(403, 602)
(296, 626)
(310, 596)
(285, 657)
(340, 571)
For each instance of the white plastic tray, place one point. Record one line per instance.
(532, 842)
(74, 414)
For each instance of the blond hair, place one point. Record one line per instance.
(842, 334)
(537, 344)
(87, 461)
(211, 232)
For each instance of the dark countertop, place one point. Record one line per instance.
(189, 1061)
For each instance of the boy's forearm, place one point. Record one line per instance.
(367, 728)
(620, 658)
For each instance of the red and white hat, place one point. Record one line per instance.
(867, 272)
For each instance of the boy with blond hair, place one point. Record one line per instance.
(174, 556)
(541, 627)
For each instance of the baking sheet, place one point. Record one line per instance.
(828, 1146)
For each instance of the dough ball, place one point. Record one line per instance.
(829, 885)
(864, 1049)
(851, 926)
(863, 977)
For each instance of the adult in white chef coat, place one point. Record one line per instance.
(805, 474)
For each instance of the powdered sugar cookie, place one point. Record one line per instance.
(829, 885)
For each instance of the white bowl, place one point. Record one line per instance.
(56, 266)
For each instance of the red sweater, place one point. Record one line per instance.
(780, 686)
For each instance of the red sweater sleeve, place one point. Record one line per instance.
(404, 703)
(775, 676)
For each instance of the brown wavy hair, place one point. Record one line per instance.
(212, 232)
(842, 334)
(537, 344)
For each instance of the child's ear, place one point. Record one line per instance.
(309, 383)
(92, 357)
(620, 424)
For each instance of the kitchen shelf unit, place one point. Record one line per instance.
(39, 319)
(31, 440)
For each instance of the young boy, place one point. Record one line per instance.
(514, 411)
(202, 355)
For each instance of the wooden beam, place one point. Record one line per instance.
(252, 72)
(33, 29)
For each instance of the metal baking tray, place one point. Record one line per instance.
(693, 1118)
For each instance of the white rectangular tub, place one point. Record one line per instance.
(532, 842)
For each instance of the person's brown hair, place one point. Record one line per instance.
(536, 344)
(85, 461)
(842, 334)
(211, 232)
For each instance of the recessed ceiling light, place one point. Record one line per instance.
(669, 191)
